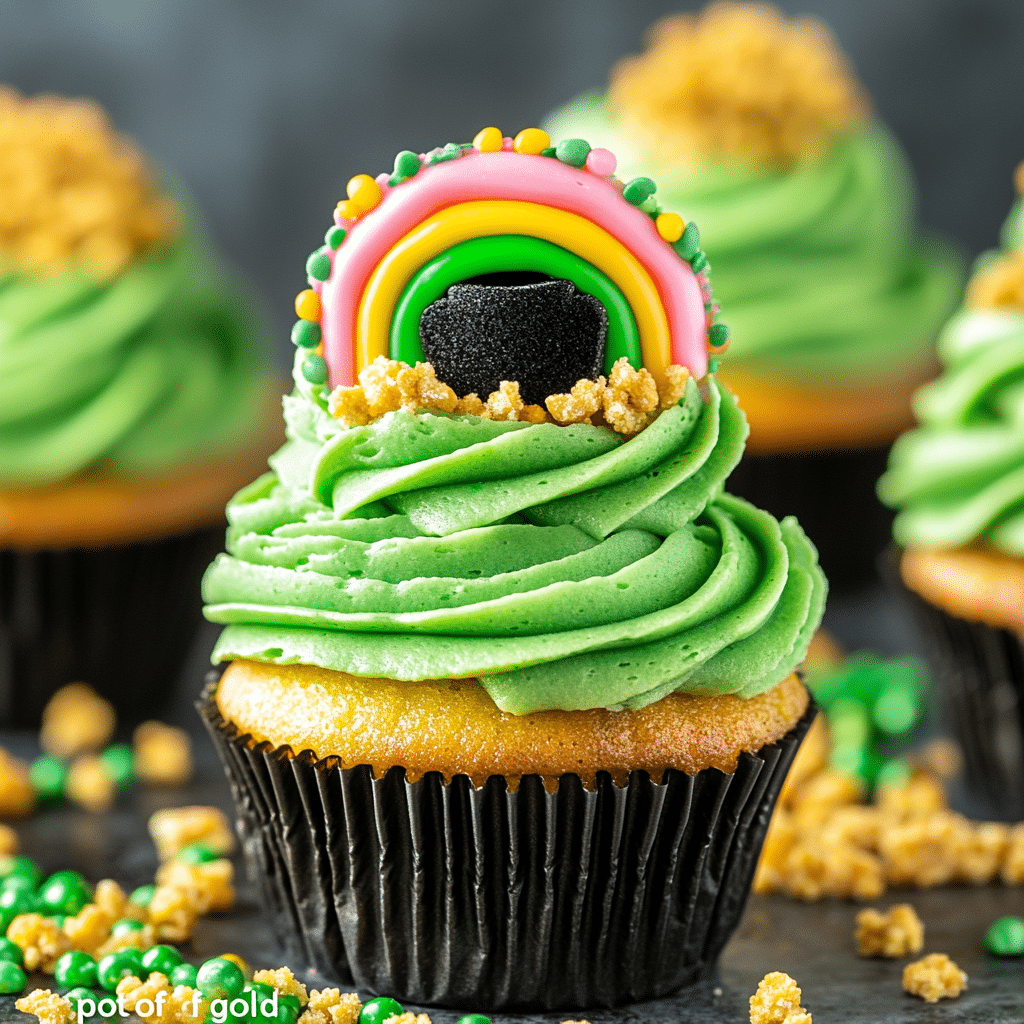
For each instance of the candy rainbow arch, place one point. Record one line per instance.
(382, 256)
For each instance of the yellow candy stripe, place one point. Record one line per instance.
(510, 217)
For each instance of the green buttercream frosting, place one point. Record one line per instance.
(959, 477)
(817, 264)
(137, 374)
(566, 567)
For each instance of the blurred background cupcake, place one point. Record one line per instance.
(757, 129)
(133, 402)
(958, 480)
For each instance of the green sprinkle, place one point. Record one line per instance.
(893, 773)
(197, 853)
(1005, 937)
(718, 335)
(48, 775)
(23, 866)
(314, 369)
(407, 163)
(12, 978)
(449, 152)
(120, 763)
(637, 190)
(10, 950)
(141, 896)
(220, 979)
(184, 974)
(75, 970)
(549, 151)
(573, 152)
(689, 243)
(318, 266)
(713, 365)
(898, 708)
(306, 334)
(64, 892)
(376, 1011)
(115, 966)
(334, 236)
(161, 958)
(699, 261)
(651, 207)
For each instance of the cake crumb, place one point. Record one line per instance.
(41, 942)
(212, 882)
(582, 402)
(505, 403)
(90, 784)
(629, 399)
(408, 1018)
(89, 928)
(17, 794)
(777, 1001)
(49, 1007)
(934, 977)
(330, 1006)
(162, 754)
(132, 990)
(897, 932)
(76, 720)
(676, 378)
(9, 842)
(173, 913)
(286, 983)
(174, 828)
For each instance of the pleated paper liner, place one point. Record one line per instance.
(832, 494)
(979, 673)
(439, 894)
(121, 618)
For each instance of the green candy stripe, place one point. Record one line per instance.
(509, 253)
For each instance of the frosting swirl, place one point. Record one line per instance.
(815, 262)
(133, 373)
(566, 567)
(959, 477)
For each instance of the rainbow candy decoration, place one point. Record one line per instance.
(501, 204)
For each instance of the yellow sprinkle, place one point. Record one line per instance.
(364, 193)
(307, 305)
(532, 141)
(488, 140)
(670, 226)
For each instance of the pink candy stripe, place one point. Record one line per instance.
(503, 175)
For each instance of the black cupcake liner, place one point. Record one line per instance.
(979, 675)
(121, 618)
(441, 894)
(832, 494)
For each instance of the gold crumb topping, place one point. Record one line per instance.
(74, 193)
(999, 283)
(777, 1001)
(627, 401)
(739, 81)
(898, 932)
(934, 977)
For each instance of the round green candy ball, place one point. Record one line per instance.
(119, 761)
(184, 974)
(64, 892)
(306, 334)
(10, 950)
(78, 994)
(1005, 937)
(407, 163)
(318, 266)
(125, 926)
(197, 853)
(12, 978)
(220, 979)
(22, 882)
(141, 896)
(75, 970)
(24, 866)
(573, 152)
(376, 1011)
(14, 902)
(292, 1001)
(474, 1018)
(334, 236)
(161, 958)
(48, 775)
(314, 369)
(115, 966)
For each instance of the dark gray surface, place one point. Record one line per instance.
(813, 943)
(266, 109)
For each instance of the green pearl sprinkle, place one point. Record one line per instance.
(64, 892)
(10, 950)
(549, 151)
(638, 190)
(474, 1018)
(318, 266)
(74, 970)
(220, 979)
(48, 775)
(376, 1011)
(184, 974)
(306, 334)
(115, 966)
(573, 152)
(699, 261)
(141, 896)
(161, 958)
(197, 853)
(12, 978)
(120, 763)
(1005, 937)
(689, 244)
(713, 365)
(651, 207)
(77, 994)
(718, 335)
(407, 164)
(314, 369)
(334, 236)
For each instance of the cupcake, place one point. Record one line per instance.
(132, 405)
(757, 129)
(958, 480)
(510, 691)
